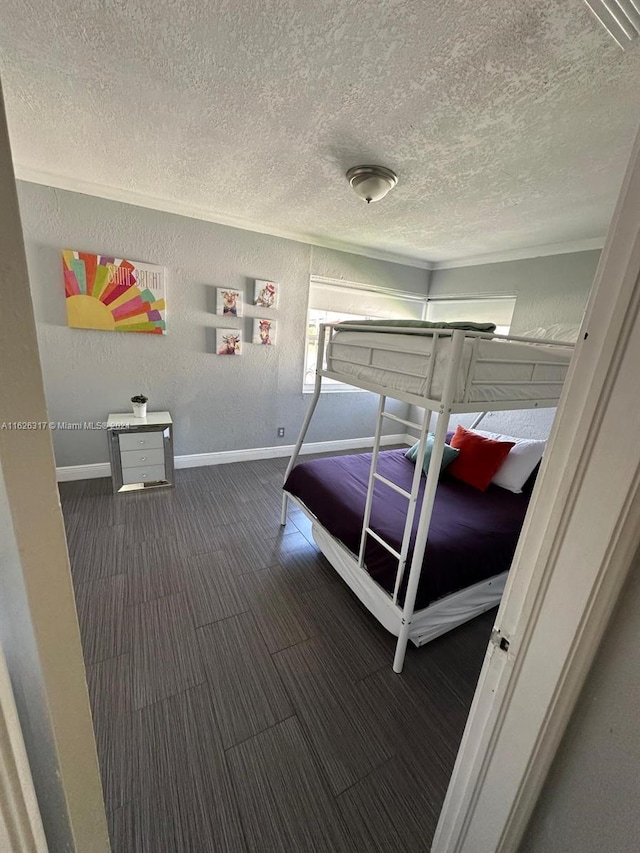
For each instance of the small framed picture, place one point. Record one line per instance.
(264, 332)
(266, 294)
(228, 302)
(228, 342)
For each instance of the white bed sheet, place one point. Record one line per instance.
(410, 355)
(441, 616)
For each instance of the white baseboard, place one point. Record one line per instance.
(83, 472)
(224, 457)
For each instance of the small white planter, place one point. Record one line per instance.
(139, 410)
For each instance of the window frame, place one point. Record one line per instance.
(478, 297)
(336, 387)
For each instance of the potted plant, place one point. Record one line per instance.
(139, 406)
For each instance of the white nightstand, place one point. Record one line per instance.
(140, 451)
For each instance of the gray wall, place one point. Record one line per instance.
(218, 403)
(341, 265)
(549, 290)
(590, 800)
(228, 404)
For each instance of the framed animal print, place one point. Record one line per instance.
(228, 302)
(228, 342)
(264, 332)
(266, 294)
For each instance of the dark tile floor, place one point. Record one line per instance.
(243, 699)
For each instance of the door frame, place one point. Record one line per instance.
(38, 620)
(20, 821)
(579, 539)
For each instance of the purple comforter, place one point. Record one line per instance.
(472, 537)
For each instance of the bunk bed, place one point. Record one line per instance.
(422, 554)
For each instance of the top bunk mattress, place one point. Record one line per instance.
(503, 371)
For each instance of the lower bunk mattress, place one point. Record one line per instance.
(472, 537)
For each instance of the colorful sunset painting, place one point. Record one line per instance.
(112, 294)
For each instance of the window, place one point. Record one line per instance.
(484, 309)
(333, 301)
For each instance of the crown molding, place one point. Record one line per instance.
(522, 254)
(180, 208)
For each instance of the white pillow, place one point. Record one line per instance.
(520, 462)
(566, 332)
(540, 332)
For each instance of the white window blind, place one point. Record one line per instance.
(489, 309)
(333, 301)
(365, 302)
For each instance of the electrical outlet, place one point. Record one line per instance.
(280, 432)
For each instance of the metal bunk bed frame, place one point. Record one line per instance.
(443, 408)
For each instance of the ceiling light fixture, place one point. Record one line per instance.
(371, 183)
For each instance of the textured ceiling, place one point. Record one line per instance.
(509, 123)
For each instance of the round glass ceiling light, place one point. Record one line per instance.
(371, 183)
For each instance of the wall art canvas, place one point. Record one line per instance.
(266, 294)
(264, 332)
(228, 341)
(229, 302)
(113, 294)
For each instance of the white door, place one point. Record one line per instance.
(580, 535)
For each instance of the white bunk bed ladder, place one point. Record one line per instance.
(412, 496)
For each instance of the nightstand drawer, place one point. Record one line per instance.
(141, 451)
(138, 440)
(142, 458)
(143, 474)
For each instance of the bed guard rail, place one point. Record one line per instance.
(363, 353)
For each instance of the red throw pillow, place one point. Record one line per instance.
(479, 457)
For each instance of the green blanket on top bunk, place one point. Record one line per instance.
(420, 324)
